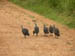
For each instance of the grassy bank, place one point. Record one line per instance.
(62, 11)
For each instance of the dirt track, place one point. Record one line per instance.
(13, 43)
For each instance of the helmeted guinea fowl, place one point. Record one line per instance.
(51, 29)
(36, 30)
(25, 31)
(56, 32)
(45, 29)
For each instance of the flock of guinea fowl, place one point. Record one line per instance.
(46, 30)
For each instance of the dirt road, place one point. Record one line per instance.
(13, 43)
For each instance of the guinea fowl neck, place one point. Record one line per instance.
(22, 26)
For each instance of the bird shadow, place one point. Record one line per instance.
(44, 36)
(50, 35)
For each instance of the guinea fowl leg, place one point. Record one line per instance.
(33, 34)
(36, 34)
(51, 34)
(56, 37)
(25, 36)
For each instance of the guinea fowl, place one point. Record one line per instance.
(25, 31)
(56, 32)
(51, 29)
(36, 30)
(45, 29)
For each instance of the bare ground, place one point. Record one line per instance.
(13, 43)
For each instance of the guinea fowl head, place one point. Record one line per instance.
(22, 26)
(51, 25)
(54, 27)
(35, 25)
(44, 25)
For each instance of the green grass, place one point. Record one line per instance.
(28, 23)
(58, 12)
(32, 17)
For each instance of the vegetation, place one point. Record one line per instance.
(62, 11)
